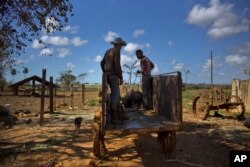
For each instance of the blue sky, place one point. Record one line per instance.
(177, 35)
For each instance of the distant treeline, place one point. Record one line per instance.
(205, 86)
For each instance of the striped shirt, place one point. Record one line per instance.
(146, 65)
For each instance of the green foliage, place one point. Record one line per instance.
(81, 77)
(3, 83)
(93, 102)
(66, 78)
(24, 20)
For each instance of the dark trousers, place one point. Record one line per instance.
(147, 90)
(113, 82)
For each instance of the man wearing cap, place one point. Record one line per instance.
(146, 68)
(111, 66)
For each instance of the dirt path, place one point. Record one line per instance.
(199, 143)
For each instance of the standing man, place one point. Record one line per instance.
(146, 68)
(111, 66)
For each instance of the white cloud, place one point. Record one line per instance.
(243, 49)
(63, 52)
(71, 29)
(51, 24)
(131, 47)
(147, 45)
(138, 32)
(70, 65)
(58, 41)
(76, 41)
(207, 65)
(219, 18)
(127, 60)
(55, 40)
(179, 66)
(155, 70)
(173, 61)
(170, 43)
(91, 71)
(46, 52)
(236, 59)
(98, 58)
(20, 61)
(110, 36)
(36, 44)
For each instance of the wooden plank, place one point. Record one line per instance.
(167, 96)
(104, 98)
(42, 97)
(142, 122)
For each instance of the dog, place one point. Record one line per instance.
(78, 121)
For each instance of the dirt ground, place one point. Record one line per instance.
(199, 143)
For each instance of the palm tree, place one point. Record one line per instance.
(25, 71)
(81, 77)
(13, 73)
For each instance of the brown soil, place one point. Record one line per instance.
(199, 143)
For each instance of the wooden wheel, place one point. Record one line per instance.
(200, 107)
(167, 141)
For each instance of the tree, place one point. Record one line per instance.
(25, 71)
(23, 20)
(130, 69)
(82, 76)
(66, 78)
(13, 73)
(247, 72)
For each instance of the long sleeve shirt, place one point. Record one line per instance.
(111, 63)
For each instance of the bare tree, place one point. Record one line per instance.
(130, 70)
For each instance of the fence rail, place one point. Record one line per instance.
(241, 88)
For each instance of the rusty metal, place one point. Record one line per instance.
(215, 100)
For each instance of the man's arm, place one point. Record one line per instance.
(117, 62)
(103, 63)
(152, 65)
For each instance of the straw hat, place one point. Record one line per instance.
(119, 41)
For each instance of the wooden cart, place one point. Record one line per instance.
(165, 118)
(217, 99)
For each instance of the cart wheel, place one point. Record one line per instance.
(167, 141)
(201, 107)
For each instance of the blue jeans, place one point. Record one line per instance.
(113, 82)
(146, 90)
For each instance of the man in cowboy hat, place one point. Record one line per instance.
(111, 66)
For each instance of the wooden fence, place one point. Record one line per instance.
(241, 88)
(167, 96)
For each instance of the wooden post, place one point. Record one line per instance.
(42, 97)
(72, 96)
(51, 95)
(83, 93)
(33, 87)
